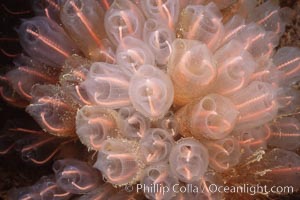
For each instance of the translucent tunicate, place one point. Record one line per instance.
(75, 176)
(28, 73)
(52, 111)
(166, 11)
(233, 27)
(234, 66)
(161, 176)
(81, 18)
(118, 162)
(123, 18)
(132, 124)
(95, 124)
(268, 73)
(257, 41)
(156, 145)
(45, 41)
(133, 53)
(203, 23)
(223, 153)
(269, 16)
(287, 59)
(151, 91)
(168, 123)
(39, 149)
(48, 189)
(45, 189)
(188, 160)
(212, 117)
(159, 38)
(256, 103)
(107, 85)
(192, 70)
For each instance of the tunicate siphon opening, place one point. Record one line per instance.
(208, 104)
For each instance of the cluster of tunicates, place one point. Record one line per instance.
(165, 92)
